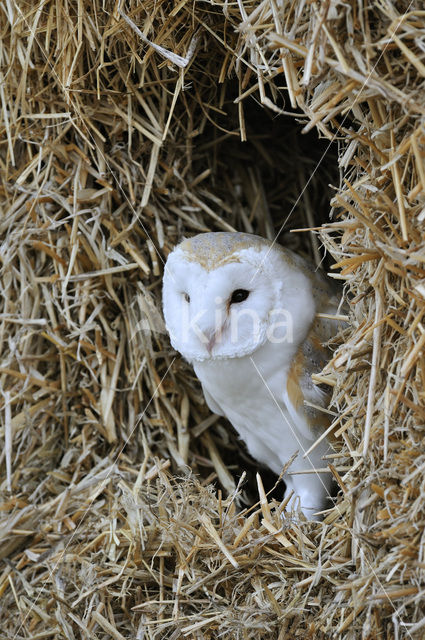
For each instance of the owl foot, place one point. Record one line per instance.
(308, 496)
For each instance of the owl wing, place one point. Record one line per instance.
(301, 392)
(326, 294)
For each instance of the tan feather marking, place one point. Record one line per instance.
(320, 353)
(293, 387)
(318, 420)
(209, 263)
(213, 250)
(316, 342)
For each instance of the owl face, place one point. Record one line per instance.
(225, 301)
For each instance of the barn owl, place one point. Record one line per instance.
(242, 311)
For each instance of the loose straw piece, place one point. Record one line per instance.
(169, 55)
(373, 372)
(214, 535)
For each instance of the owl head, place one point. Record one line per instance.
(226, 294)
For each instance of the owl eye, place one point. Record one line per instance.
(239, 295)
(186, 297)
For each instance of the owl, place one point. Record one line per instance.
(243, 312)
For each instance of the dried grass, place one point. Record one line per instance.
(111, 149)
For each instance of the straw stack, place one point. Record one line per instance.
(125, 512)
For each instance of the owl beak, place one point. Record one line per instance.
(211, 342)
(211, 338)
(209, 335)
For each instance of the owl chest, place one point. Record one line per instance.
(228, 381)
(248, 391)
(249, 380)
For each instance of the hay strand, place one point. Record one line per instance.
(123, 501)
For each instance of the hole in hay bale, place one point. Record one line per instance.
(278, 180)
(255, 186)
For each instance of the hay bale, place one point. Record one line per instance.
(122, 128)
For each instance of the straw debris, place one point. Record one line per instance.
(125, 125)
